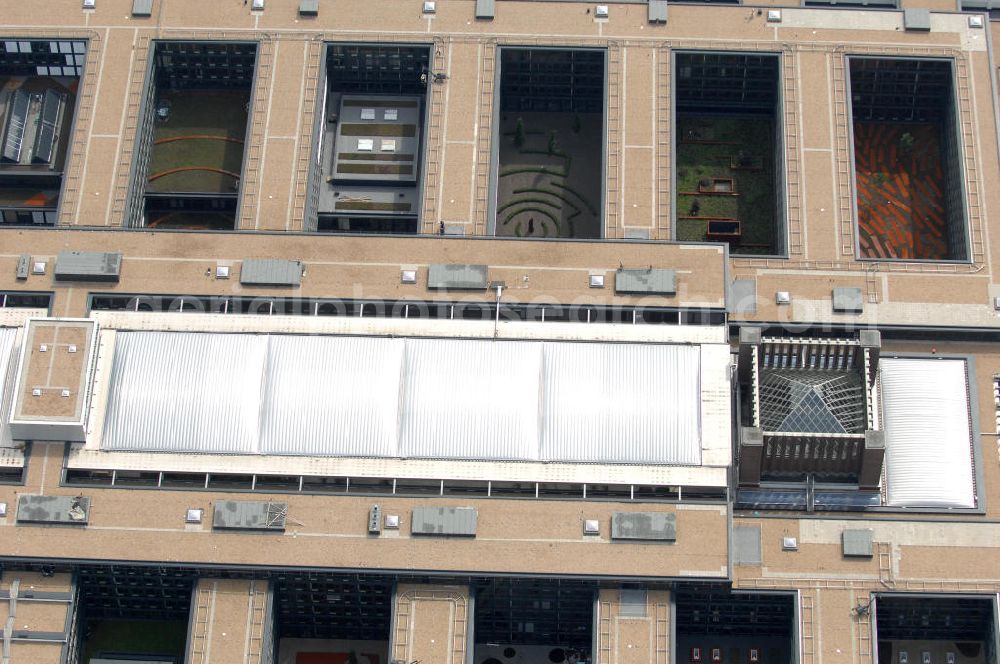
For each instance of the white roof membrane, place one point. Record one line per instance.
(606, 402)
(8, 362)
(928, 437)
(404, 398)
(185, 392)
(331, 396)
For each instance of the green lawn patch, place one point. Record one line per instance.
(139, 637)
(755, 206)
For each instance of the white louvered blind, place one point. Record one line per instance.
(928, 444)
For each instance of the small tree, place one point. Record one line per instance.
(519, 133)
(553, 144)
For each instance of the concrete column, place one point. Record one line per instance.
(430, 623)
(35, 616)
(633, 627)
(228, 622)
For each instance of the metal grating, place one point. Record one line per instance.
(88, 266)
(644, 526)
(857, 542)
(812, 401)
(535, 612)
(270, 272)
(118, 591)
(457, 277)
(249, 515)
(455, 521)
(313, 605)
(747, 545)
(717, 611)
(66, 510)
(646, 281)
(921, 617)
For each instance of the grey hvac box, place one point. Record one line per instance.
(485, 8)
(457, 277)
(270, 272)
(656, 11)
(308, 7)
(454, 521)
(88, 266)
(63, 510)
(23, 266)
(917, 19)
(857, 543)
(646, 281)
(632, 602)
(848, 301)
(658, 526)
(746, 545)
(743, 296)
(142, 7)
(249, 515)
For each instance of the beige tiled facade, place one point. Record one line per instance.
(433, 600)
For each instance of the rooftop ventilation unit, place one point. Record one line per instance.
(457, 277)
(64, 510)
(810, 408)
(445, 521)
(88, 266)
(646, 281)
(249, 515)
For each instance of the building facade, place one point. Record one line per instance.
(496, 332)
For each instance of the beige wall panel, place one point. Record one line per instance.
(933, 5)
(955, 563)
(234, 607)
(639, 92)
(833, 37)
(456, 193)
(820, 206)
(368, 267)
(276, 183)
(817, 99)
(462, 93)
(57, 583)
(549, 538)
(930, 289)
(836, 628)
(97, 183)
(284, 100)
(115, 70)
(22, 652)
(637, 195)
(58, 13)
(209, 15)
(431, 623)
(633, 639)
(41, 616)
(702, 22)
(534, 19)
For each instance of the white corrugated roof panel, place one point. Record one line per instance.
(465, 399)
(405, 398)
(331, 396)
(617, 403)
(928, 444)
(185, 392)
(7, 369)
